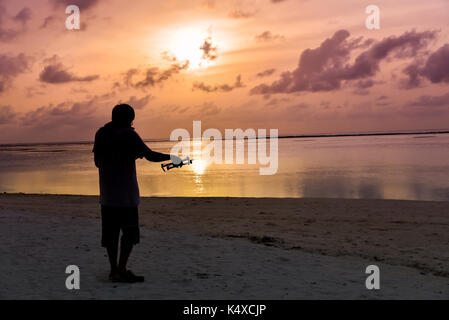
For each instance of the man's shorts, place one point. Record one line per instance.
(114, 219)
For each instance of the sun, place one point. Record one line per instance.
(186, 43)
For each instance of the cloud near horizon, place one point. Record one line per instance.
(430, 101)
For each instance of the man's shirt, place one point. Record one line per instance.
(116, 150)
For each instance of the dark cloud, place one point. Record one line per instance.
(82, 4)
(296, 107)
(220, 87)
(78, 115)
(361, 92)
(276, 101)
(34, 91)
(435, 69)
(325, 67)
(267, 36)
(209, 109)
(47, 21)
(138, 103)
(153, 75)
(266, 73)
(210, 52)
(431, 101)
(413, 79)
(7, 115)
(209, 4)
(364, 84)
(168, 56)
(56, 73)
(325, 104)
(11, 67)
(8, 33)
(176, 108)
(239, 14)
(23, 16)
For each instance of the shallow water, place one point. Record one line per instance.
(413, 167)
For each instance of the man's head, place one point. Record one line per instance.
(123, 115)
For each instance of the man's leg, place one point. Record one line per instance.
(125, 251)
(112, 255)
(110, 236)
(130, 237)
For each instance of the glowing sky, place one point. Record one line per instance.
(300, 66)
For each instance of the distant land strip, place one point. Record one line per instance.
(330, 135)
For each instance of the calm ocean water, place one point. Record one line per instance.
(382, 167)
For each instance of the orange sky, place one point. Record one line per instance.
(299, 66)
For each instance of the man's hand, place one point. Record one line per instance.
(175, 159)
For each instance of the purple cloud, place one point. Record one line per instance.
(82, 4)
(7, 115)
(55, 73)
(47, 21)
(239, 14)
(267, 36)
(209, 50)
(7, 33)
(364, 84)
(436, 68)
(79, 115)
(138, 103)
(220, 87)
(23, 16)
(431, 101)
(153, 75)
(11, 67)
(325, 67)
(266, 73)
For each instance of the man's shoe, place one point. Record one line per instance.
(114, 277)
(129, 277)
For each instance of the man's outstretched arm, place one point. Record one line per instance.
(154, 156)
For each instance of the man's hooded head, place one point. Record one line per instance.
(123, 115)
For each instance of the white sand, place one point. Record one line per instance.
(37, 247)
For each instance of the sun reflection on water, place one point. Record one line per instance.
(198, 166)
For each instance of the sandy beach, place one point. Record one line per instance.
(229, 248)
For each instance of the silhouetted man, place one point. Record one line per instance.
(116, 148)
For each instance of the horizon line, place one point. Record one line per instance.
(288, 136)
